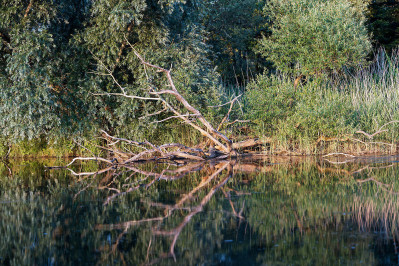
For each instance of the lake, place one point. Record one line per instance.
(265, 211)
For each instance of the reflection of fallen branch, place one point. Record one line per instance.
(176, 231)
(8, 167)
(89, 173)
(177, 206)
(324, 170)
(238, 215)
(89, 159)
(341, 162)
(339, 153)
(386, 187)
(172, 175)
(348, 172)
(372, 179)
(169, 209)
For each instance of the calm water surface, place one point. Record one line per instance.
(274, 211)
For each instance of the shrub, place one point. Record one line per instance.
(269, 99)
(311, 37)
(365, 100)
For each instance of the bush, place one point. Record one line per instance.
(337, 108)
(269, 99)
(311, 37)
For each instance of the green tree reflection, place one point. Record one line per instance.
(268, 212)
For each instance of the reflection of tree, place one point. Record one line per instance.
(169, 209)
(147, 213)
(299, 207)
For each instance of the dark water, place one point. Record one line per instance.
(275, 211)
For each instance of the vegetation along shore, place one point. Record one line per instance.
(136, 80)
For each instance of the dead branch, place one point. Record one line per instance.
(156, 113)
(89, 159)
(214, 134)
(223, 146)
(126, 96)
(226, 117)
(247, 144)
(28, 8)
(379, 131)
(140, 144)
(339, 153)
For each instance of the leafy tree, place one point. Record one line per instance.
(39, 69)
(232, 27)
(383, 18)
(165, 33)
(48, 49)
(311, 37)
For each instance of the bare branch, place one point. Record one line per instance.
(138, 144)
(380, 130)
(126, 96)
(171, 117)
(226, 117)
(214, 134)
(339, 153)
(237, 121)
(226, 103)
(89, 159)
(156, 113)
(28, 8)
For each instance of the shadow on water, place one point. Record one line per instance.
(291, 210)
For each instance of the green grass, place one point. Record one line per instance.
(330, 108)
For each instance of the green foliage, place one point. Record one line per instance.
(269, 99)
(53, 53)
(288, 114)
(311, 37)
(383, 20)
(232, 27)
(165, 35)
(321, 107)
(39, 78)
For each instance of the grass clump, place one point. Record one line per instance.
(328, 108)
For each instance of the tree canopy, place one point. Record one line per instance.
(53, 55)
(310, 37)
(56, 56)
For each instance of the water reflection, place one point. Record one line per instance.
(269, 211)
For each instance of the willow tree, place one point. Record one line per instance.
(165, 33)
(311, 37)
(40, 69)
(53, 52)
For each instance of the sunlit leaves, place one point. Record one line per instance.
(311, 37)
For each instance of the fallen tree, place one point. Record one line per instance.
(218, 145)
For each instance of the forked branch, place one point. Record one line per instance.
(209, 131)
